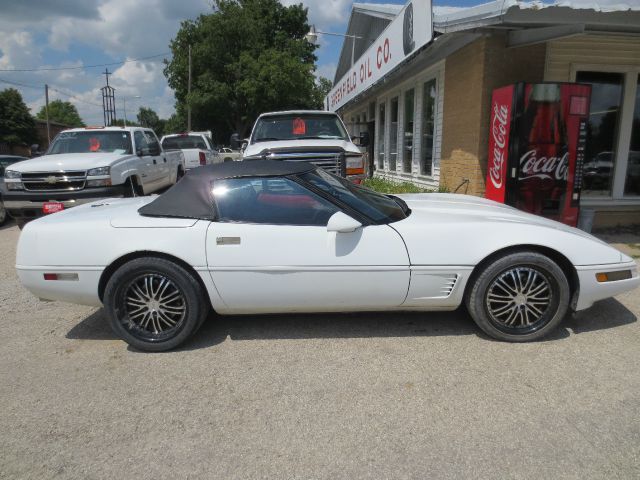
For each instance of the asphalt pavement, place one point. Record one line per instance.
(349, 396)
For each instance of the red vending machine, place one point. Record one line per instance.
(536, 148)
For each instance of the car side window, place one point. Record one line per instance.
(152, 141)
(275, 201)
(141, 141)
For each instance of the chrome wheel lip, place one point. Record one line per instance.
(154, 307)
(519, 299)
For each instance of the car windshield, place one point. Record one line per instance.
(298, 127)
(184, 142)
(379, 208)
(91, 141)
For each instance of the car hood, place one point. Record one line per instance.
(258, 148)
(68, 161)
(464, 229)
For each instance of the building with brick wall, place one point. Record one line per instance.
(429, 117)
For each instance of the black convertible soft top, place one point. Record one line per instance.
(192, 196)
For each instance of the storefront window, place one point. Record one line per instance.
(632, 182)
(407, 144)
(381, 145)
(428, 127)
(393, 135)
(600, 155)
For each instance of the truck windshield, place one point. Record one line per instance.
(91, 141)
(184, 142)
(298, 127)
(379, 208)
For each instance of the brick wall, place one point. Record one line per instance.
(471, 74)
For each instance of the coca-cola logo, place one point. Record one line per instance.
(531, 165)
(499, 132)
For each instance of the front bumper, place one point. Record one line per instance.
(591, 290)
(28, 205)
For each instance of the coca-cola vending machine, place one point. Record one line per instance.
(536, 148)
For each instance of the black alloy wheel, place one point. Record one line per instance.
(519, 297)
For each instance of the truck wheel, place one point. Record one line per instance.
(154, 304)
(520, 297)
(131, 188)
(180, 174)
(228, 159)
(3, 214)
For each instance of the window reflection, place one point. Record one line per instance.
(393, 135)
(407, 148)
(632, 181)
(606, 100)
(428, 121)
(381, 145)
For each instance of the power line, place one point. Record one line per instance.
(73, 96)
(18, 84)
(82, 67)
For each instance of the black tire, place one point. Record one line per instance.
(525, 278)
(3, 214)
(188, 308)
(131, 188)
(20, 223)
(180, 174)
(228, 159)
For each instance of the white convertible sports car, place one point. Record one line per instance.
(272, 236)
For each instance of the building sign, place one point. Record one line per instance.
(409, 31)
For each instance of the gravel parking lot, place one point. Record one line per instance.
(315, 396)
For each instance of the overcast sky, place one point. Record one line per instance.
(72, 33)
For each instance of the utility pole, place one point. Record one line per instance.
(46, 112)
(189, 94)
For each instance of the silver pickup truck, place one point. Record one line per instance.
(87, 164)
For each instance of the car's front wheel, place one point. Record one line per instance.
(519, 297)
(154, 304)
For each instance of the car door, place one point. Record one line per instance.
(159, 161)
(145, 165)
(270, 251)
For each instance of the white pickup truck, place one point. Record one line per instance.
(314, 136)
(197, 147)
(87, 164)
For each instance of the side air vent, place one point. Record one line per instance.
(449, 283)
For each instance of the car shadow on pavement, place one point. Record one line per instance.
(606, 314)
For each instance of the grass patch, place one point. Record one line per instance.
(388, 186)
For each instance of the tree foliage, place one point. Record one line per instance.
(147, 117)
(62, 112)
(248, 57)
(17, 126)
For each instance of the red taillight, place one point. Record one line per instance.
(69, 277)
(203, 158)
(50, 276)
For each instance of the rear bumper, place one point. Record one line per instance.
(28, 205)
(591, 290)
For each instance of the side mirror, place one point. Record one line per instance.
(364, 139)
(235, 141)
(342, 223)
(244, 146)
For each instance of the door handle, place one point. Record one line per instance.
(164, 159)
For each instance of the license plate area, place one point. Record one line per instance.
(52, 207)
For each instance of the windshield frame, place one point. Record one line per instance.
(335, 119)
(360, 192)
(65, 135)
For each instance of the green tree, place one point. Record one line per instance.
(323, 87)
(17, 126)
(248, 57)
(62, 112)
(148, 118)
(176, 123)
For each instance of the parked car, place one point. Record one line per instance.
(271, 237)
(229, 155)
(86, 164)
(314, 136)
(197, 147)
(5, 161)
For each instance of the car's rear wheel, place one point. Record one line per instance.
(519, 297)
(154, 304)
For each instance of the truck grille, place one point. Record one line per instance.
(332, 162)
(54, 181)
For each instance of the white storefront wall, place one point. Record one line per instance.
(355, 117)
